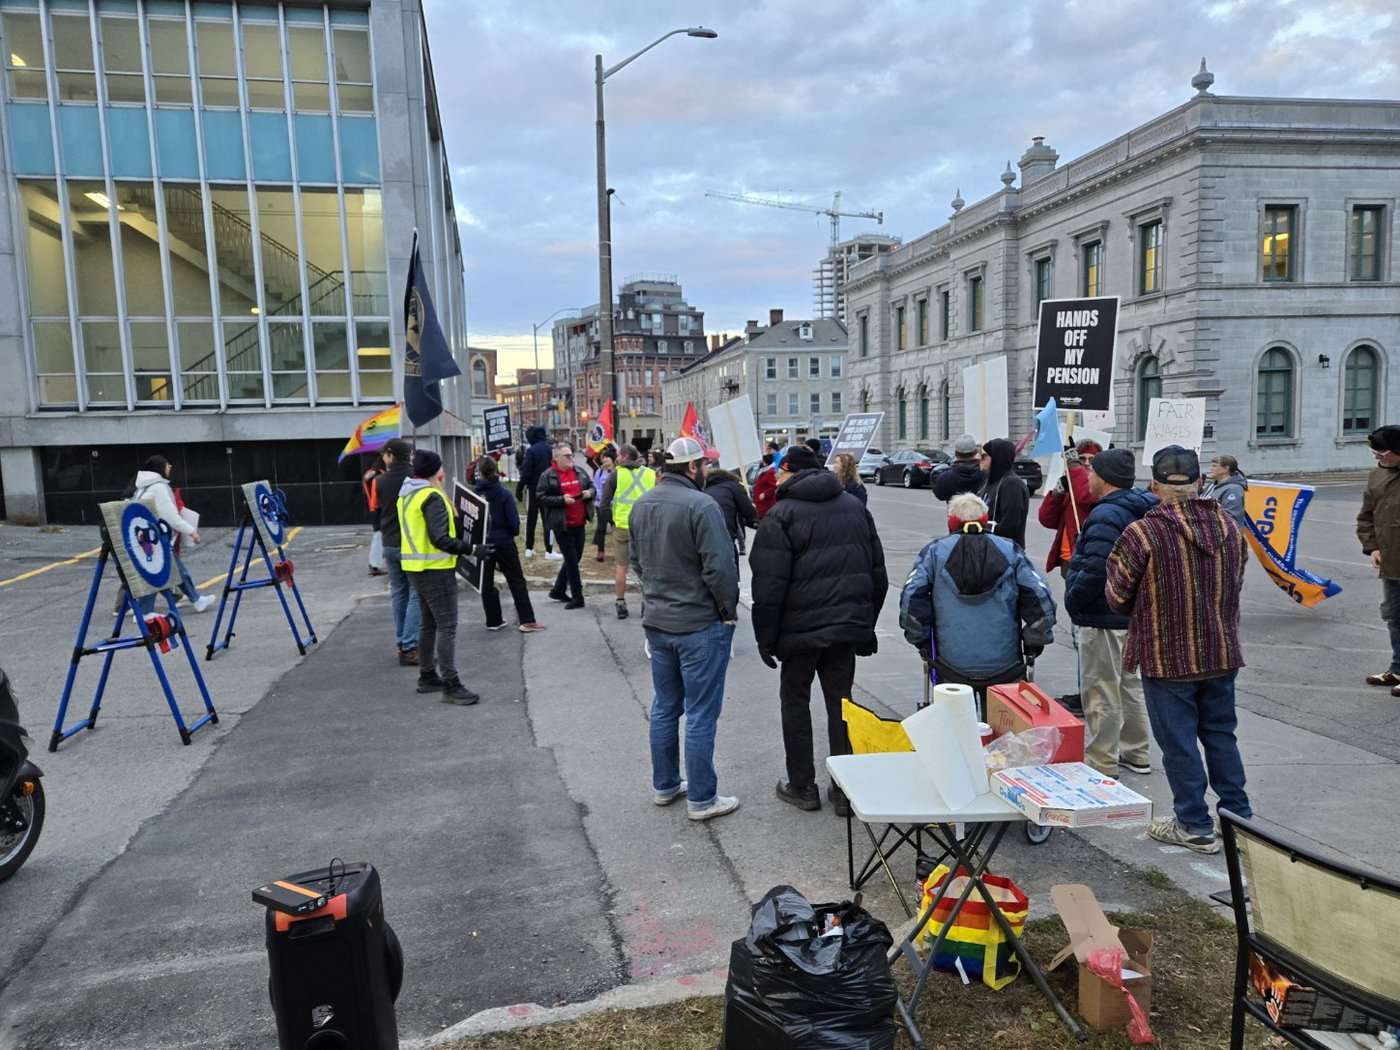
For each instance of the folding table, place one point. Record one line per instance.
(896, 788)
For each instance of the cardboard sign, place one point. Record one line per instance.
(141, 544)
(1074, 353)
(858, 430)
(473, 514)
(269, 514)
(497, 425)
(1174, 421)
(735, 433)
(986, 401)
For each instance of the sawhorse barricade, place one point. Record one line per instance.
(278, 576)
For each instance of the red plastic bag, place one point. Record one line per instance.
(1107, 963)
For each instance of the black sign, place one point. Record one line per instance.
(857, 431)
(1074, 353)
(497, 420)
(473, 512)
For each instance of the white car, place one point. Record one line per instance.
(869, 463)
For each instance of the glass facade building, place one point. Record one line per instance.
(207, 215)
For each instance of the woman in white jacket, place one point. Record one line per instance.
(153, 483)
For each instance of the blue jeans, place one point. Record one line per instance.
(1182, 713)
(407, 615)
(687, 676)
(147, 605)
(1390, 613)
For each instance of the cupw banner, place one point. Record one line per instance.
(1275, 512)
(1074, 353)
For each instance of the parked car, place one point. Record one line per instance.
(1028, 470)
(911, 467)
(869, 463)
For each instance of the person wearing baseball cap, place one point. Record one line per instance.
(680, 550)
(1378, 528)
(1116, 731)
(1176, 574)
(965, 473)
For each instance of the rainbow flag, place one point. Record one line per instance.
(373, 433)
(1275, 512)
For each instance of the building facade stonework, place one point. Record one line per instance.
(1250, 241)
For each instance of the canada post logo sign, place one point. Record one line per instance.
(1275, 517)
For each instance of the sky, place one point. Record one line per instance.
(898, 104)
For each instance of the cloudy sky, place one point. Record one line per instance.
(896, 103)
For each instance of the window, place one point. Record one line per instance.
(792, 368)
(945, 395)
(1276, 247)
(1150, 257)
(372, 358)
(651, 404)
(923, 412)
(1273, 408)
(262, 65)
(88, 206)
(121, 58)
(325, 270)
(306, 56)
(661, 347)
(974, 304)
(650, 377)
(923, 322)
(903, 415)
(480, 386)
(945, 309)
(836, 401)
(170, 60)
(1149, 385)
(1366, 242)
(690, 346)
(1042, 281)
(772, 406)
(814, 368)
(815, 404)
(102, 356)
(899, 328)
(24, 56)
(354, 89)
(863, 329)
(199, 365)
(72, 58)
(330, 347)
(792, 404)
(770, 368)
(136, 225)
(281, 265)
(1091, 261)
(836, 366)
(218, 66)
(1359, 387)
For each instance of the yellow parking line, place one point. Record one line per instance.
(223, 575)
(55, 565)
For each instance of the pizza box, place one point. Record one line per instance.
(1070, 795)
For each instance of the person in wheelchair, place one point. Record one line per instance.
(974, 605)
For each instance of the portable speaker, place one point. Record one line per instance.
(336, 971)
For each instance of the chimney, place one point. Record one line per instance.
(775, 317)
(1037, 162)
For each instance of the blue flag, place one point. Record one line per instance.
(1048, 440)
(427, 359)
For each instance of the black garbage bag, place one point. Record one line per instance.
(791, 988)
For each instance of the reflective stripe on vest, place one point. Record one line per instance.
(638, 481)
(418, 552)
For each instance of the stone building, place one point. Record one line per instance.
(1249, 239)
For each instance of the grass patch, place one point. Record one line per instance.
(1193, 967)
(1156, 878)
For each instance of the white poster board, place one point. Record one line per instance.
(1174, 421)
(735, 434)
(986, 400)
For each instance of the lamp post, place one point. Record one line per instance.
(539, 383)
(605, 313)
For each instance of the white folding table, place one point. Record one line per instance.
(895, 788)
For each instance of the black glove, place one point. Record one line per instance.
(1032, 652)
(767, 658)
(868, 648)
(926, 653)
(483, 550)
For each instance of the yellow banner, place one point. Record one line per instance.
(1275, 517)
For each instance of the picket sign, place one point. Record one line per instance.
(986, 401)
(1174, 421)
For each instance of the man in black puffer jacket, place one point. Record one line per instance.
(724, 488)
(1116, 730)
(818, 584)
(537, 459)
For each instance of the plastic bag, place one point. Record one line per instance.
(975, 946)
(809, 978)
(1107, 963)
(1030, 747)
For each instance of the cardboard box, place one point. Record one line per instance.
(1070, 795)
(1294, 1005)
(1103, 1007)
(1019, 706)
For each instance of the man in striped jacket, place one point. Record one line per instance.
(1176, 574)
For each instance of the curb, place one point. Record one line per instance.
(532, 1015)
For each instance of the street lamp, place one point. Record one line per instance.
(605, 317)
(538, 379)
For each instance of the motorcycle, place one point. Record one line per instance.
(21, 788)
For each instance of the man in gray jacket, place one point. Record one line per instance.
(681, 552)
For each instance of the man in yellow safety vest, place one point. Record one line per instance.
(629, 482)
(429, 556)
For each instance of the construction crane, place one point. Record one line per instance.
(834, 213)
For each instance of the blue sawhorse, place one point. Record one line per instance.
(236, 588)
(109, 646)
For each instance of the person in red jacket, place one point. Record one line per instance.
(1057, 512)
(765, 487)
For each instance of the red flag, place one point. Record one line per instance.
(691, 427)
(691, 418)
(600, 434)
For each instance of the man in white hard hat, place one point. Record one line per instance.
(681, 551)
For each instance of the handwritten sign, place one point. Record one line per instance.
(1174, 421)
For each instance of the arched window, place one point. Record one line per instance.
(1149, 385)
(480, 387)
(1360, 382)
(1273, 404)
(923, 411)
(945, 395)
(903, 414)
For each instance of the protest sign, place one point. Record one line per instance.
(735, 434)
(986, 403)
(1074, 353)
(858, 429)
(473, 512)
(1174, 421)
(497, 424)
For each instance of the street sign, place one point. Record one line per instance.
(858, 429)
(497, 425)
(1074, 353)
(473, 518)
(735, 433)
(1174, 421)
(986, 401)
